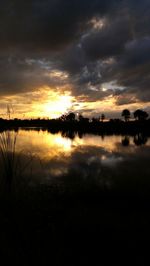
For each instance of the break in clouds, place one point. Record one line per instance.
(95, 48)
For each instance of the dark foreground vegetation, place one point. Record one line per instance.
(88, 227)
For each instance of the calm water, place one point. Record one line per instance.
(90, 161)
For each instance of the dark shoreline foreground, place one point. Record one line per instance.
(97, 227)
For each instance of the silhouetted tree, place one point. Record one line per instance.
(70, 117)
(83, 119)
(140, 115)
(80, 117)
(102, 117)
(126, 115)
(95, 120)
(62, 118)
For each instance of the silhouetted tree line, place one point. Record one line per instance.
(72, 122)
(138, 115)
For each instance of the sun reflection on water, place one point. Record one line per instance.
(80, 157)
(45, 144)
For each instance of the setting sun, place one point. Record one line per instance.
(60, 105)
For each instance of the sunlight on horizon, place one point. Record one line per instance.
(49, 103)
(60, 105)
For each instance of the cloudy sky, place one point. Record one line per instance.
(81, 55)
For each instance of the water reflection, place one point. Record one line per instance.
(140, 139)
(77, 161)
(125, 141)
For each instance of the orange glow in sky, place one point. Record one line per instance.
(60, 105)
(49, 102)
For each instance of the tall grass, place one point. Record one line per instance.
(16, 166)
(8, 140)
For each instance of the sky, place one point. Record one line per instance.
(89, 57)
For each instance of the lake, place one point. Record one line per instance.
(83, 199)
(82, 162)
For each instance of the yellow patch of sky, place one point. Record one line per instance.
(58, 74)
(44, 102)
(53, 106)
(48, 102)
(104, 105)
(58, 106)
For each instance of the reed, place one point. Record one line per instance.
(8, 140)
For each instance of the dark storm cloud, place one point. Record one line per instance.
(109, 41)
(38, 30)
(119, 51)
(38, 37)
(132, 70)
(137, 52)
(23, 75)
(47, 24)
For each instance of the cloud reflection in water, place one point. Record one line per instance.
(79, 163)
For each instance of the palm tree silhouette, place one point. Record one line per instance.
(126, 115)
(140, 115)
(102, 117)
